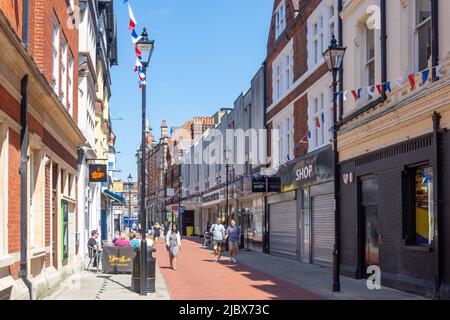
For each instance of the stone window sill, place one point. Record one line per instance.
(7, 260)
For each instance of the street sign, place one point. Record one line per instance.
(170, 192)
(181, 210)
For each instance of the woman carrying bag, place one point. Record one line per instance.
(173, 245)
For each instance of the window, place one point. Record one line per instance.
(423, 33)
(70, 86)
(418, 219)
(320, 114)
(321, 26)
(64, 73)
(280, 20)
(370, 59)
(282, 74)
(55, 57)
(319, 134)
(318, 40)
(283, 136)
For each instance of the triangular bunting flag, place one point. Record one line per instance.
(425, 75)
(370, 91)
(134, 37)
(388, 86)
(317, 122)
(400, 82)
(412, 81)
(379, 88)
(132, 25)
(304, 139)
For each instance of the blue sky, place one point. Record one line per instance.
(206, 53)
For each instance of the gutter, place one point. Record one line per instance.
(23, 273)
(383, 48)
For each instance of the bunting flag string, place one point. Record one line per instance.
(381, 88)
(132, 25)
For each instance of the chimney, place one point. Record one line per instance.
(164, 129)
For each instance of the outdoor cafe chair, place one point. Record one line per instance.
(93, 258)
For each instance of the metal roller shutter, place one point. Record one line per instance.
(323, 229)
(283, 229)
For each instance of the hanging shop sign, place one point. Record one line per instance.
(118, 186)
(259, 184)
(98, 173)
(273, 184)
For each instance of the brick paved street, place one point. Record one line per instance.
(197, 277)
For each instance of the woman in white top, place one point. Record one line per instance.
(173, 244)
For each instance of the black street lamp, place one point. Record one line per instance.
(130, 179)
(146, 47)
(334, 56)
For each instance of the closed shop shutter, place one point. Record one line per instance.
(323, 229)
(283, 229)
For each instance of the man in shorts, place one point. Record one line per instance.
(218, 236)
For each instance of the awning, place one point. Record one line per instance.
(114, 196)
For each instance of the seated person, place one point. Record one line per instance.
(94, 247)
(116, 236)
(122, 241)
(134, 242)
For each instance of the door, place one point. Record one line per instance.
(283, 229)
(323, 229)
(55, 219)
(369, 211)
(304, 226)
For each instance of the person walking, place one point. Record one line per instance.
(173, 245)
(233, 234)
(157, 232)
(218, 236)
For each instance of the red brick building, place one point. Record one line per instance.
(38, 78)
(299, 118)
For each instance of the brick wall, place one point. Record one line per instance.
(41, 17)
(13, 12)
(300, 130)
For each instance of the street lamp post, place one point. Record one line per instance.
(146, 47)
(130, 179)
(334, 56)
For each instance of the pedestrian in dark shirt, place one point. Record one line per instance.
(94, 247)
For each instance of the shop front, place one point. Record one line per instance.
(211, 209)
(249, 214)
(301, 217)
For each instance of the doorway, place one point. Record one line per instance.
(369, 222)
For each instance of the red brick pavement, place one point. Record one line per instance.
(198, 278)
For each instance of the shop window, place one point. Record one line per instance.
(418, 222)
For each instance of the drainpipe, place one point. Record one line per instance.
(383, 47)
(341, 70)
(435, 36)
(25, 16)
(266, 248)
(23, 273)
(436, 201)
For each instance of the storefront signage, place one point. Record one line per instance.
(170, 192)
(304, 173)
(309, 170)
(118, 186)
(266, 184)
(98, 173)
(259, 185)
(212, 197)
(274, 184)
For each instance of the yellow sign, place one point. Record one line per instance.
(118, 187)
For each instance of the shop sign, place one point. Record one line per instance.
(170, 192)
(273, 184)
(98, 173)
(118, 187)
(259, 185)
(212, 197)
(310, 170)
